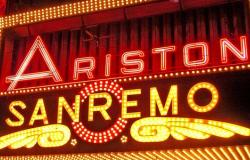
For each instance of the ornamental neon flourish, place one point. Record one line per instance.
(158, 129)
(47, 136)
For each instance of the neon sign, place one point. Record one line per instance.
(134, 113)
(168, 113)
(132, 62)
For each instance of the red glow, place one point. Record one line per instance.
(112, 132)
(37, 45)
(2, 7)
(134, 62)
(99, 137)
(108, 65)
(88, 70)
(204, 54)
(241, 54)
(107, 86)
(163, 51)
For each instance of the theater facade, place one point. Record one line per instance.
(125, 80)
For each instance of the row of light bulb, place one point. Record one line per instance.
(130, 79)
(211, 153)
(66, 10)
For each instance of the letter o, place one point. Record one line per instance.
(203, 85)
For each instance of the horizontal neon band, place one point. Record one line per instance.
(127, 79)
(211, 153)
(66, 10)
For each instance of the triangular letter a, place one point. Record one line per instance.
(52, 73)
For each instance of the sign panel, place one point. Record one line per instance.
(147, 90)
(171, 58)
(130, 114)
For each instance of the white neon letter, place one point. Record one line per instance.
(107, 65)
(204, 51)
(226, 45)
(88, 70)
(128, 61)
(163, 51)
(37, 45)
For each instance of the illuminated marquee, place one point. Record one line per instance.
(133, 111)
(132, 61)
(107, 113)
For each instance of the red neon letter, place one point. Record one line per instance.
(37, 45)
(226, 45)
(107, 65)
(163, 51)
(88, 70)
(204, 50)
(132, 62)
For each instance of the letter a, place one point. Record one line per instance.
(37, 45)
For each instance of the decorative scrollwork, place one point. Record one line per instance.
(158, 129)
(47, 136)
